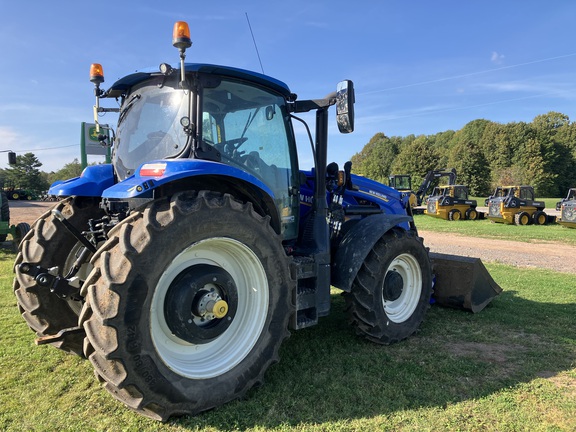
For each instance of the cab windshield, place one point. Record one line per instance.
(149, 125)
(250, 127)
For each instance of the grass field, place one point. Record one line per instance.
(511, 367)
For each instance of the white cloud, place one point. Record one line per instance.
(497, 58)
(8, 137)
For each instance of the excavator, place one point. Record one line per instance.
(403, 183)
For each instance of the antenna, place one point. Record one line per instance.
(255, 46)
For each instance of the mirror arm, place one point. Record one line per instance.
(314, 104)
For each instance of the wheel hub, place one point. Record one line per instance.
(200, 303)
(393, 286)
(210, 306)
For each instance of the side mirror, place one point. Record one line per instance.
(11, 158)
(345, 106)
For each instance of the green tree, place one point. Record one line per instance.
(551, 153)
(416, 159)
(534, 170)
(442, 143)
(375, 159)
(472, 168)
(70, 170)
(25, 174)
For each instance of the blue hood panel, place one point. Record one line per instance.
(92, 182)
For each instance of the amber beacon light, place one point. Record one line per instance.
(181, 35)
(96, 73)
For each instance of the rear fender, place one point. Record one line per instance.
(177, 175)
(175, 170)
(357, 243)
(92, 182)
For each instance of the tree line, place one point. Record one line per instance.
(25, 174)
(485, 154)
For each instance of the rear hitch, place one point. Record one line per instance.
(62, 287)
(61, 335)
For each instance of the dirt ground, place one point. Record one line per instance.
(550, 255)
(553, 256)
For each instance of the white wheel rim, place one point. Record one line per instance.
(208, 360)
(403, 307)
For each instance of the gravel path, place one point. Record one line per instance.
(553, 256)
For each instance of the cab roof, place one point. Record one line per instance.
(124, 84)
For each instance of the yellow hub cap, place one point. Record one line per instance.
(220, 309)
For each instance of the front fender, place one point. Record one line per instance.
(139, 186)
(92, 182)
(357, 243)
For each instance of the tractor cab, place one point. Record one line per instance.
(400, 182)
(570, 196)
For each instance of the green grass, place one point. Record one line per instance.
(511, 368)
(488, 229)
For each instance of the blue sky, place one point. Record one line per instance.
(419, 67)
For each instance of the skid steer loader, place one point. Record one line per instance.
(567, 209)
(451, 203)
(516, 205)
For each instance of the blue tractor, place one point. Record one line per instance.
(180, 268)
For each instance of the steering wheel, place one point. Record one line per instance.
(232, 145)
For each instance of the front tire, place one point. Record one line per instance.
(522, 218)
(49, 244)
(454, 215)
(187, 305)
(391, 292)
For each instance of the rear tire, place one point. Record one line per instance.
(49, 244)
(471, 214)
(147, 337)
(391, 292)
(21, 230)
(4, 214)
(539, 218)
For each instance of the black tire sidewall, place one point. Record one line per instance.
(412, 246)
(365, 301)
(48, 244)
(136, 349)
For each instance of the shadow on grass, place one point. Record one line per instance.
(328, 374)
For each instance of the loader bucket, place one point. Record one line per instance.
(462, 282)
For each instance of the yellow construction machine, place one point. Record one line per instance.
(516, 205)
